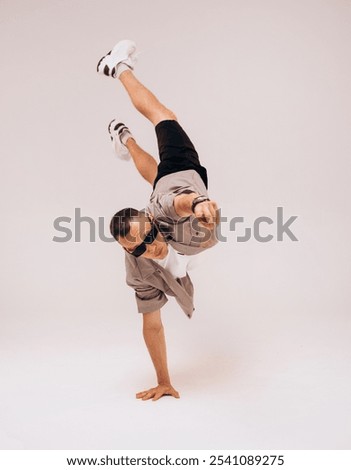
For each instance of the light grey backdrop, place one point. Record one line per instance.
(263, 89)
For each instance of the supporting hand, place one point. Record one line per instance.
(158, 392)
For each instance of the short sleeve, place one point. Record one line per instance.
(148, 298)
(161, 203)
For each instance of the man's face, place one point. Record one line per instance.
(139, 228)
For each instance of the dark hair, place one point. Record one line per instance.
(120, 222)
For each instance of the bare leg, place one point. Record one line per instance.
(145, 101)
(144, 162)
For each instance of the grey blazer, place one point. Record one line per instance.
(150, 281)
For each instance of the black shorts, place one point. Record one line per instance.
(177, 153)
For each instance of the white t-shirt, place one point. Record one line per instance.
(176, 263)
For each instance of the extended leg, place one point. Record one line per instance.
(145, 101)
(144, 162)
(119, 63)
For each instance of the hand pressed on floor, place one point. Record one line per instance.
(158, 392)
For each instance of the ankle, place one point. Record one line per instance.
(129, 142)
(123, 70)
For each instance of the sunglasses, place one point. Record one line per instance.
(149, 238)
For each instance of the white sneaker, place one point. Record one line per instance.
(124, 52)
(119, 134)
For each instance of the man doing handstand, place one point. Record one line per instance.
(179, 221)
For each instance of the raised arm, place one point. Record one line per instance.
(154, 337)
(205, 211)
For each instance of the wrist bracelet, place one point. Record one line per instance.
(198, 200)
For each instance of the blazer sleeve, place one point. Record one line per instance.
(148, 298)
